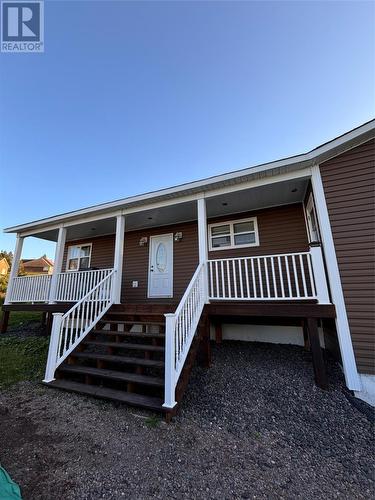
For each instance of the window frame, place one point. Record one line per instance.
(79, 258)
(310, 209)
(231, 224)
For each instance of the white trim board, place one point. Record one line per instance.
(71, 219)
(342, 325)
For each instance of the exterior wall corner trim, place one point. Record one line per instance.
(352, 378)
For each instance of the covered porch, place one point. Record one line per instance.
(247, 246)
(89, 249)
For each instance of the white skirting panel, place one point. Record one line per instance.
(368, 389)
(265, 333)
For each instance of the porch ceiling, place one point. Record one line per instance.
(276, 194)
(269, 195)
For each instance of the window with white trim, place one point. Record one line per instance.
(312, 220)
(234, 234)
(79, 257)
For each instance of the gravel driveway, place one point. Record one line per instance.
(253, 426)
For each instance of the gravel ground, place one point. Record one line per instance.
(253, 426)
(28, 329)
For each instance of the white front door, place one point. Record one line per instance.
(160, 275)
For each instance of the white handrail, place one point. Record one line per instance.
(69, 329)
(266, 277)
(180, 329)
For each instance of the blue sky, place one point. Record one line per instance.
(134, 96)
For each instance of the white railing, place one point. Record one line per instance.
(180, 329)
(69, 329)
(73, 285)
(269, 277)
(30, 288)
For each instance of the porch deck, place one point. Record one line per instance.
(87, 311)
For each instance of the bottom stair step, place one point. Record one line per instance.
(129, 398)
(112, 375)
(119, 359)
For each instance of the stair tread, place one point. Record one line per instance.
(131, 334)
(130, 398)
(119, 359)
(112, 374)
(134, 322)
(125, 345)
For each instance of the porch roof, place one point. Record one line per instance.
(208, 185)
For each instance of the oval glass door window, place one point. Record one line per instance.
(161, 258)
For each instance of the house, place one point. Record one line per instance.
(42, 265)
(4, 267)
(282, 251)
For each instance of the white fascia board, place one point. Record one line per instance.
(134, 203)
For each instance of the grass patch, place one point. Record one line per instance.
(20, 318)
(152, 421)
(22, 359)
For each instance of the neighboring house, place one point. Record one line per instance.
(280, 252)
(42, 265)
(4, 267)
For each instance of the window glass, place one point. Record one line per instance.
(73, 265)
(232, 234)
(216, 230)
(244, 227)
(244, 239)
(74, 252)
(84, 263)
(221, 241)
(85, 251)
(161, 258)
(311, 220)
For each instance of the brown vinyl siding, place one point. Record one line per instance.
(281, 230)
(349, 185)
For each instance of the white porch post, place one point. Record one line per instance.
(319, 274)
(119, 255)
(202, 240)
(169, 375)
(15, 266)
(342, 324)
(53, 347)
(57, 265)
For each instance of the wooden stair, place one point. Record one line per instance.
(122, 360)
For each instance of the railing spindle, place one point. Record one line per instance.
(265, 260)
(295, 276)
(222, 278)
(288, 277)
(303, 275)
(275, 290)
